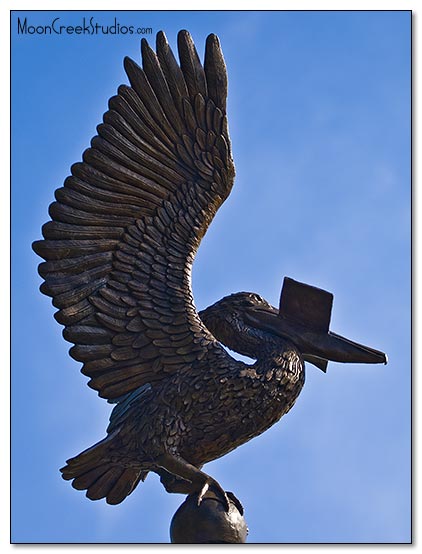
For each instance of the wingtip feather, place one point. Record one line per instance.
(161, 40)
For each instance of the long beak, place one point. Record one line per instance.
(339, 349)
(317, 347)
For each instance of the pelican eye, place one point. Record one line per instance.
(253, 299)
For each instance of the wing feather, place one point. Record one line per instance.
(172, 73)
(127, 222)
(156, 77)
(191, 66)
(215, 74)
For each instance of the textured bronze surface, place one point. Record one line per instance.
(118, 253)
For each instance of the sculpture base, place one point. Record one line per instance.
(209, 522)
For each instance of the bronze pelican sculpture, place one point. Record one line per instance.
(119, 249)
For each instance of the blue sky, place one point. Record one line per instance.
(319, 114)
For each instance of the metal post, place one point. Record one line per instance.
(209, 522)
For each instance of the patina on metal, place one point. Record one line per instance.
(119, 249)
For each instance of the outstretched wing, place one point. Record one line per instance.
(127, 223)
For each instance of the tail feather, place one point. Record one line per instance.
(91, 471)
(125, 485)
(84, 480)
(103, 485)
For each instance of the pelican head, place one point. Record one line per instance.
(244, 321)
(229, 320)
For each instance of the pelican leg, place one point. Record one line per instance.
(173, 483)
(200, 481)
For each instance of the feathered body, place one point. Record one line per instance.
(196, 415)
(202, 417)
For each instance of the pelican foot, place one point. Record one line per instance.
(214, 486)
(199, 482)
(236, 502)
